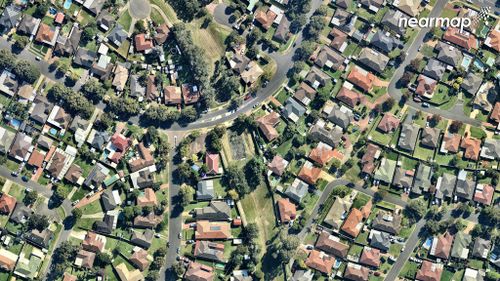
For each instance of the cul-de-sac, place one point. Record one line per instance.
(242, 140)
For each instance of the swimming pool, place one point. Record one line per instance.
(53, 131)
(479, 64)
(15, 123)
(67, 4)
(466, 62)
(52, 11)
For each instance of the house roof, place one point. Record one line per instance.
(372, 153)
(495, 114)
(353, 223)
(472, 83)
(143, 239)
(460, 249)
(441, 246)
(384, 42)
(422, 180)
(484, 194)
(321, 154)
(10, 17)
(28, 25)
(216, 210)
(319, 132)
(93, 242)
(445, 185)
(451, 142)
(36, 159)
(305, 93)
(435, 69)
(151, 220)
(425, 86)
(128, 275)
(430, 137)
(380, 240)
(449, 54)
(429, 271)
(118, 35)
(481, 248)
(329, 58)
(337, 212)
(267, 124)
(144, 159)
(56, 164)
(356, 272)
(121, 77)
(141, 43)
(46, 34)
(361, 78)
(386, 170)
(205, 190)
(293, 109)
(252, 73)
(20, 146)
(388, 222)
(373, 59)
(199, 272)
(391, 20)
(26, 92)
(173, 94)
(212, 162)
(462, 38)
(473, 275)
(162, 33)
(277, 165)
(493, 40)
(68, 277)
(339, 38)
(85, 259)
(207, 230)
(320, 261)
(472, 148)
(140, 259)
(408, 137)
(316, 77)
(297, 191)
(341, 116)
(309, 173)
(265, 18)
(147, 198)
(370, 257)
(282, 33)
(491, 149)
(84, 57)
(209, 250)
(332, 245)
(7, 203)
(350, 97)
(287, 210)
(410, 7)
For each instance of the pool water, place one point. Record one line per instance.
(15, 123)
(479, 64)
(52, 11)
(67, 4)
(53, 131)
(466, 62)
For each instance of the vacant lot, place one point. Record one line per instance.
(237, 148)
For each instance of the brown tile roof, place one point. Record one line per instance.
(287, 210)
(56, 164)
(367, 209)
(350, 97)
(36, 159)
(495, 114)
(339, 38)
(74, 173)
(321, 155)
(368, 159)
(189, 95)
(265, 18)
(425, 86)
(360, 79)
(472, 148)
(7, 203)
(389, 123)
(353, 223)
(484, 194)
(305, 93)
(494, 40)
(442, 246)
(451, 142)
(429, 271)
(150, 220)
(140, 259)
(93, 242)
(144, 160)
(267, 125)
(162, 32)
(277, 166)
(141, 43)
(207, 230)
(151, 89)
(212, 162)
(356, 272)
(370, 257)
(85, 258)
(320, 261)
(309, 174)
(68, 277)
(45, 33)
(463, 39)
(332, 245)
(199, 272)
(173, 94)
(148, 198)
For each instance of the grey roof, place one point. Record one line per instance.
(293, 107)
(481, 248)
(344, 20)
(316, 77)
(422, 179)
(330, 58)
(303, 275)
(430, 137)
(205, 190)
(78, 123)
(449, 54)
(238, 62)
(471, 83)
(465, 187)
(491, 149)
(391, 20)
(142, 239)
(209, 250)
(10, 17)
(445, 185)
(402, 178)
(374, 3)
(461, 244)
(20, 146)
(331, 137)
(408, 137)
(341, 116)
(343, 3)
(298, 191)
(71, 45)
(41, 109)
(384, 42)
(84, 57)
(106, 225)
(380, 240)
(373, 59)
(282, 33)
(387, 222)
(21, 213)
(94, 6)
(145, 179)
(6, 140)
(39, 238)
(100, 139)
(435, 69)
(117, 36)
(136, 89)
(216, 211)
(95, 177)
(108, 200)
(28, 25)
(44, 142)
(105, 19)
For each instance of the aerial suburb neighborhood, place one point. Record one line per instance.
(241, 140)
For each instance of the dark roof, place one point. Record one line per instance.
(384, 42)
(106, 225)
(282, 33)
(117, 36)
(84, 57)
(10, 17)
(28, 25)
(21, 213)
(388, 222)
(380, 240)
(71, 44)
(408, 137)
(100, 139)
(331, 137)
(217, 210)
(449, 54)
(143, 239)
(391, 20)
(435, 69)
(108, 201)
(38, 238)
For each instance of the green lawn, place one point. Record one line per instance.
(355, 250)
(477, 133)
(156, 17)
(423, 152)
(409, 270)
(17, 192)
(92, 208)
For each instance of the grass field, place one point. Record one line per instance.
(125, 20)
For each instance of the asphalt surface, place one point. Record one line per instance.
(139, 9)
(457, 112)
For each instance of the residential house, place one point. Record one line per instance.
(332, 245)
(21, 147)
(387, 222)
(47, 34)
(40, 110)
(199, 272)
(8, 83)
(450, 143)
(371, 154)
(143, 239)
(391, 20)
(7, 204)
(44, 142)
(161, 33)
(93, 242)
(461, 38)
(408, 137)
(56, 164)
(341, 116)
(339, 40)
(425, 86)
(28, 26)
(190, 93)
(473, 275)
(39, 238)
(238, 62)
(465, 186)
(328, 58)
(265, 18)
(481, 248)
(384, 42)
(361, 78)
(267, 124)
(215, 211)
(471, 147)
(422, 180)
(117, 36)
(321, 154)
(495, 114)
(441, 246)
(380, 240)
(493, 39)
(309, 173)
(26, 94)
(317, 78)
(84, 57)
(338, 212)
(353, 223)
(110, 199)
(287, 210)
(94, 6)
(449, 54)
(435, 69)
(297, 191)
(485, 98)
(209, 251)
(205, 190)
(278, 165)
(370, 257)
(36, 159)
(59, 118)
(209, 230)
(388, 123)
(356, 272)
(141, 259)
(20, 214)
(143, 43)
(344, 21)
(96, 176)
(293, 110)
(6, 139)
(147, 198)
(121, 77)
(300, 275)
(122, 270)
(460, 249)
(343, 3)
(27, 267)
(108, 224)
(484, 194)
(85, 259)
(172, 95)
(149, 221)
(98, 139)
(445, 186)
(430, 137)
(305, 94)
(410, 7)
(212, 163)
(430, 271)
(471, 83)
(349, 96)
(320, 261)
(373, 59)
(320, 132)
(8, 260)
(385, 171)
(9, 18)
(282, 33)
(491, 149)
(70, 44)
(105, 21)
(103, 67)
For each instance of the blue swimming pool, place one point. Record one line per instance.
(52, 11)
(67, 4)
(466, 61)
(15, 123)
(53, 131)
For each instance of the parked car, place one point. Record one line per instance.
(425, 105)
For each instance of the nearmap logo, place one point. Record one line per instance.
(457, 22)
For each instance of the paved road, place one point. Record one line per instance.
(139, 9)
(456, 113)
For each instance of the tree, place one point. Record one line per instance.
(30, 197)
(415, 64)
(140, 26)
(178, 269)
(26, 71)
(285, 246)
(153, 275)
(61, 193)
(89, 32)
(93, 90)
(379, 195)
(76, 213)
(235, 178)
(124, 106)
(7, 59)
(388, 104)
(416, 209)
(102, 259)
(41, 9)
(341, 191)
(186, 193)
(21, 42)
(435, 119)
(455, 126)
(305, 50)
(37, 221)
(62, 257)
(188, 114)
(253, 172)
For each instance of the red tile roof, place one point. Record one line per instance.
(310, 174)
(472, 148)
(267, 124)
(321, 155)
(199, 272)
(350, 97)
(265, 18)
(173, 95)
(494, 40)
(425, 85)
(7, 203)
(287, 210)
(92, 242)
(463, 39)
(141, 43)
(148, 198)
(320, 261)
(45, 33)
(452, 142)
(484, 194)
(388, 123)
(353, 223)
(36, 159)
(443, 246)
(495, 114)
(364, 81)
(370, 257)
(212, 162)
(207, 230)
(277, 166)
(59, 18)
(120, 142)
(430, 271)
